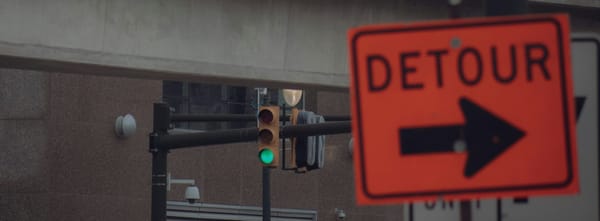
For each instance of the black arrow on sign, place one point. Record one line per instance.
(485, 135)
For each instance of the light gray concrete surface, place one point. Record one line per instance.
(579, 3)
(284, 42)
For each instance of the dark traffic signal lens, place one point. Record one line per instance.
(265, 116)
(265, 136)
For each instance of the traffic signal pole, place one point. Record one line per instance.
(238, 117)
(494, 8)
(186, 140)
(161, 142)
(266, 180)
(159, 162)
(268, 150)
(505, 7)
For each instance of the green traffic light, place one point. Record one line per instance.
(266, 156)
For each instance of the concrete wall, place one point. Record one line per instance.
(287, 43)
(577, 3)
(267, 42)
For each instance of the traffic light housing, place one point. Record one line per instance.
(268, 136)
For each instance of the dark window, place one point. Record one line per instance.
(210, 98)
(200, 98)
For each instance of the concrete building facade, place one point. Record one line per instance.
(69, 68)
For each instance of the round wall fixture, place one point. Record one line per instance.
(125, 126)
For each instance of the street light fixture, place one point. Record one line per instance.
(292, 96)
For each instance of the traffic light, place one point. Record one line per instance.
(268, 136)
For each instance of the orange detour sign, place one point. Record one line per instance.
(463, 109)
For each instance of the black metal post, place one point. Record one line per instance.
(492, 8)
(161, 142)
(505, 7)
(411, 215)
(284, 120)
(175, 141)
(183, 140)
(213, 117)
(495, 8)
(499, 209)
(316, 129)
(266, 179)
(465, 210)
(454, 11)
(159, 192)
(239, 117)
(159, 162)
(498, 8)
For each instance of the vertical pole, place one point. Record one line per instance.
(283, 155)
(499, 209)
(266, 175)
(465, 210)
(465, 205)
(492, 8)
(159, 162)
(159, 193)
(266, 194)
(411, 215)
(454, 9)
(505, 7)
(499, 8)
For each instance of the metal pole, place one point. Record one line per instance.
(159, 162)
(159, 193)
(465, 205)
(465, 210)
(239, 117)
(499, 209)
(174, 141)
(283, 154)
(494, 8)
(266, 179)
(411, 215)
(316, 129)
(213, 117)
(505, 7)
